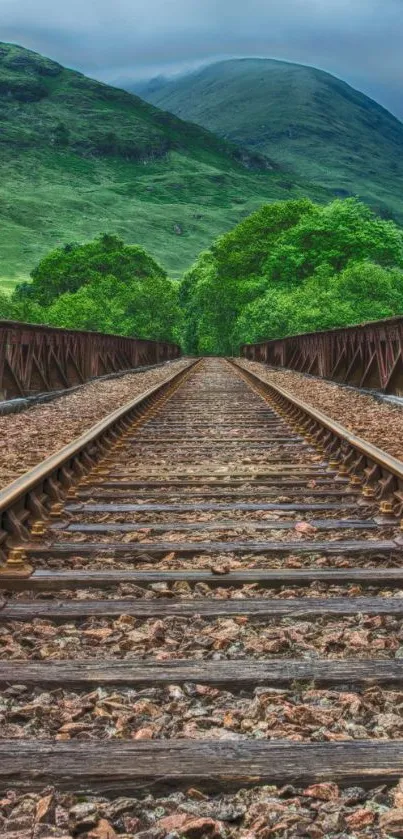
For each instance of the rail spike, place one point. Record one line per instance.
(16, 564)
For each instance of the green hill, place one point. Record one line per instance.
(78, 158)
(302, 118)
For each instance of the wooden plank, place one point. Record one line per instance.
(186, 445)
(255, 609)
(216, 481)
(188, 460)
(319, 524)
(289, 471)
(253, 411)
(198, 492)
(238, 419)
(186, 450)
(358, 546)
(53, 580)
(244, 433)
(245, 420)
(265, 440)
(122, 766)
(140, 673)
(196, 424)
(210, 508)
(191, 420)
(197, 441)
(179, 476)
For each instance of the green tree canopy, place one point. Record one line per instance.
(363, 291)
(290, 267)
(68, 268)
(146, 308)
(105, 286)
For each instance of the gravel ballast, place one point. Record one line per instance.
(28, 438)
(198, 711)
(319, 811)
(362, 636)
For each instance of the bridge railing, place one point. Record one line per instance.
(36, 359)
(369, 355)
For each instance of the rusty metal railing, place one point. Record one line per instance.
(37, 359)
(369, 355)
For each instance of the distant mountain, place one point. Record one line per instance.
(302, 118)
(78, 158)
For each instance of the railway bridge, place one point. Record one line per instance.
(201, 596)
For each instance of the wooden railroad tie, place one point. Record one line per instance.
(210, 609)
(120, 767)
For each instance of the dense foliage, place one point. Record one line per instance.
(291, 267)
(103, 285)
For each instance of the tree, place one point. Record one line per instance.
(143, 308)
(337, 234)
(7, 309)
(104, 286)
(291, 267)
(68, 268)
(363, 291)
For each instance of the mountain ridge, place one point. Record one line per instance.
(79, 158)
(306, 120)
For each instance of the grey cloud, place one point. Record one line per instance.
(357, 40)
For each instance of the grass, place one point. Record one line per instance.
(303, 119)
(78, 158)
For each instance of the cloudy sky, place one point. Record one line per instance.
(358, 40)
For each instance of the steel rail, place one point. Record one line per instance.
(379, 473)
(34, 494)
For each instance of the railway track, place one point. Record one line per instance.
(214, 540)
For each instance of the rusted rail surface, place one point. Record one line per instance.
(368, 356)
(36, 359)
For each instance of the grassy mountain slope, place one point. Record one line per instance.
(302, 118)
(78, 158)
